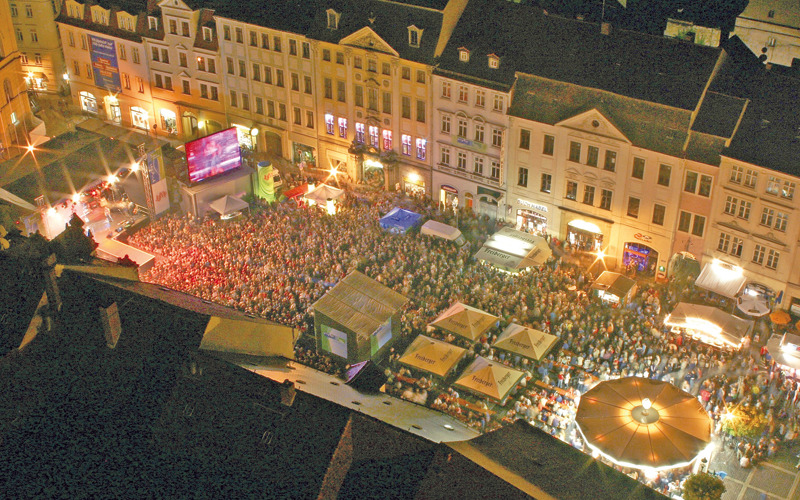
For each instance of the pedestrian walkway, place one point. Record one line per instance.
(776, 479)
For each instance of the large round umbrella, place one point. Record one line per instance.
(643, 423)
(780, 317)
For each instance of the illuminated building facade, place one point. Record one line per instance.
(39, 44)
(15, 109)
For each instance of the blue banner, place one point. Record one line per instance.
(104, 64)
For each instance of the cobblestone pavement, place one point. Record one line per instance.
(776, 479)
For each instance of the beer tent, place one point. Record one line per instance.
(400, 220)
(358, 319)
(432, 356)
(721, 278)
(512, 250)
(709, 324)
(489, 378)
(527, 342)
(322, 193)
(465, 321)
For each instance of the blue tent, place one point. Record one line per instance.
(399, 220)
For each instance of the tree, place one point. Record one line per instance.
(743, 421)
(703, 486)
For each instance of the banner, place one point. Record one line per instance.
(157, 193)
(104, 63)
(266, 182)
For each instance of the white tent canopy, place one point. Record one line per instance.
(721, 278)
(514, 250)
(785, 350)
(15, 200)
(441, 230)
(228, 205)
(709, 324)
(323, 193)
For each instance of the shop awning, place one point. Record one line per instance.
(709, 324)
(721, 278)
(527, 342)
(432, 356)
(465, 321)
(489, 378)
(785, 350)
(514, 250)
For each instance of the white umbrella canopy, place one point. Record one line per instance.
(228, 204)
(755, 306)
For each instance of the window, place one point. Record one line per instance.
(731, 203)
(387, 102)
(478, 165)
(463, 55)
(152, 22)
(611, 161)
(270, 108)
(480, 98)
(295, 79)
(34, 36)
(256, 72)
(684, 221)
(773, 185)
(71, 39)
(633, 207)
(588, 195)
(387, 140)
(292, 47)
(462, 127)
(462, 164)
(445, 124)
(233, 99)
(406, 107)
(444, 156)
(14, 11)
(498, 103)
(767, 216)
(360, 132)
(372, 99)
(126, 81)
(343, 128)
(76, 70)
(339, 58)
(788, 190)
(406, 144)
(744, 210)
(549, 145)
(306, 48)
(592, 154)
(413, 37)
(329, 124)
(705, 186)
(422, 153)
(245, 102)
(772, 259)
(207, 37)
(386, 69)
(165, 55)
(163, 81)
(23, 58)
(699, 225)
(575, 151)
(659, 211)
(522, 177)
(154, 53)
(84, 45)
(546, 183)
(463, 94)
(781, 221)
(279, 77)
(690, 183)
(605, 199)
(446, 89)
(242, 67)
(495, 174)
(276, 44)
(281, 112)
(140, 84)
(28, 11)
(420, 111)
(359, 96)
(420, 76)
(479, 132)
(185, 28)
(267, 75)
(524, 139)
(374, 135)
(736, 174)
(372, 65)
(724, 243)
(183, 59)
(326, 54)
(185, 84)
(212, 66)
(758, 254)
(204, 91)
(497, 137)
(298, 116)
(664, 172)
(135, 55)
(173, 27)
(405, 73)
(264, 41)
(226, 32)
(750, 178)
(21, 38)
(333, 19)
(736, 246)
(310, 119)
(572, 190)
(259, 105)
(638, 168)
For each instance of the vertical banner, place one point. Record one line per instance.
(157, 181)
(104, 63)
(266, 183)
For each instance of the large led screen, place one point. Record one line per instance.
(213, 155)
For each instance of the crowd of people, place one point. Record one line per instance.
(277, 260)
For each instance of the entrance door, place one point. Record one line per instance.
(640, 258)
(274, 145)
(190, 129)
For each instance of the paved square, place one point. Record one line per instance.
(773, 480)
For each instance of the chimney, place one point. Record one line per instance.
(605, 28)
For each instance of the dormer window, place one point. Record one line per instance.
(333, 19)
(152, 22)
(206, 33)
(99, 16)
(463, 54)
(494, 61)
(414, 36)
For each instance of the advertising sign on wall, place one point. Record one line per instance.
(104, 63)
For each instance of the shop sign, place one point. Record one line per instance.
(449, 189)
(474, 145)
(643, 237)
(530, 204)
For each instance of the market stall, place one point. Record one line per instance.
(785, 350)
(513, 251)
(709, 325)
(614, 288)
(721, 278)
(400, 220)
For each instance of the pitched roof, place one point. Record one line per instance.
(389, 20)
(655, 69)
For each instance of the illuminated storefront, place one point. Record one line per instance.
(113, 109)
(639, 256)
(304, 156)
(413, 184)
(584, 235)
(88, 102)
(139, 118)
(531, 217)
(447, 195)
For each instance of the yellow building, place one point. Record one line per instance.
(15, 108)
(39, 44)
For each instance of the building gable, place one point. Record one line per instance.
(593, 122)
(366, 38)
(174, 4)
